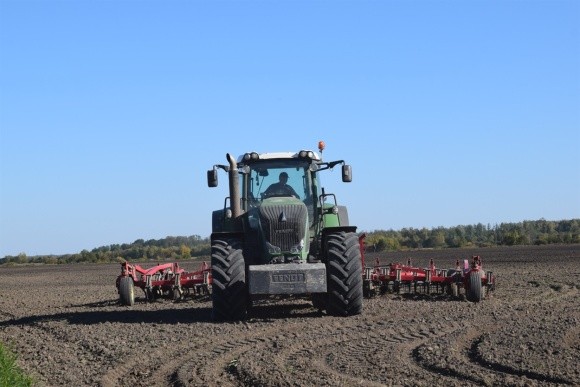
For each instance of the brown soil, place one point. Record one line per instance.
(67, 328)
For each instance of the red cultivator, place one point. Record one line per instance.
(166, 280)
(471, 280)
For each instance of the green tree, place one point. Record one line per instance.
(436, 239)
(185, 252)
(22, 258)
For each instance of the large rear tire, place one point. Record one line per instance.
(229, 289)
(344, 274)
(126, 291)
(475, 292)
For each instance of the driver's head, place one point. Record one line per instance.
(283, 177)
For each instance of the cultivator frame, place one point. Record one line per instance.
(166, 280)
(470, 280)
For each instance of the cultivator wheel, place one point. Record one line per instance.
(126, 291)
(476, 291)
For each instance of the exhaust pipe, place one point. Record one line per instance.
(234, 187)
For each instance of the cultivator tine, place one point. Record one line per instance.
(206, 277)
(177, 291)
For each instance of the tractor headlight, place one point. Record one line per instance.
(273, 249)
(306, 154)
(228, 213)
(251, 156)
(296, 249)
(334, 210)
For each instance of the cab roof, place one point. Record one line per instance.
(279, 155)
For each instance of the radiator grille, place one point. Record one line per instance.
(283, 225)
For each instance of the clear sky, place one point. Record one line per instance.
(450, 112)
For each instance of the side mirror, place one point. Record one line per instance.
(212, 178)
(346, 173)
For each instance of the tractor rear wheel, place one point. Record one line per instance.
(475, 292)
(344, 274)
(229, 289)
(126, 291)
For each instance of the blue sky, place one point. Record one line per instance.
(450, 112)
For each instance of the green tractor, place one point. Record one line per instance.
(280, 234)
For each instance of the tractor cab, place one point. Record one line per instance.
(279, 179)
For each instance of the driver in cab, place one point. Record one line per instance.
(281, 188)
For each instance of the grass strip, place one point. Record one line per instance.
(10, 374)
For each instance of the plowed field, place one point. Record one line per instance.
(67, 328)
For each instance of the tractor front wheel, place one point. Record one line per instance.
(229, 289)
(344, 274)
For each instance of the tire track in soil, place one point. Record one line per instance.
(306, 353)
(9, 316)
(228, 357)
(552, 297)
(463, 361)
(60, 336)
(215, 353)
(151, 366)
(324, 365)
(179, 364)
(383, 344)
(369, 358)
(548, 296)
(361, 345)
(449, 355)
(477, 357)
(472, 365)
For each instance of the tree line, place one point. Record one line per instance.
(536, 232)
(172, 248)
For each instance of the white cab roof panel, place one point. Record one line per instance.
(279, 155)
